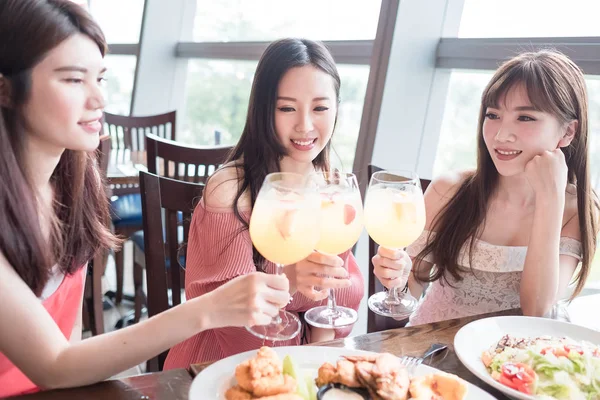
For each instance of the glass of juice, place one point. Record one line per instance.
(394, 218)
(340, 227)
(284, 230)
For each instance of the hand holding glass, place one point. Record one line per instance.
(284, 230)
(394, 218)
(340, 226)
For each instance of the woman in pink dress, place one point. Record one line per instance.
(291, 118)
(54, 211)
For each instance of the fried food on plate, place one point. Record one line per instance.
(262, 377)
(382, 375)
(438, 386)
(237, 393)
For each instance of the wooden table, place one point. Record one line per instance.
(124, 167)
(414, 341)
(173, 385)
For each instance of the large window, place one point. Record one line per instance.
(530, 18)
(457, 144)
(264, 20)
(121, 20)
(217, 101)
(119, 83)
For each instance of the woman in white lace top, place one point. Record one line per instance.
(512, 232)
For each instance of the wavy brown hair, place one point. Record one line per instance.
(555, 85)
(29, 29)
(259, 151)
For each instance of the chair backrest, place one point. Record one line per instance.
(128, 133)
(376, 323)
(171, 196)
(127, 137)
(183, 162)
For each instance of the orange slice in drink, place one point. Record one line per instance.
(405, 209)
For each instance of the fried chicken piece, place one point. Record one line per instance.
(327, 374)
(391, 377)
(265, 364)
(367, 357)
(243, 376)
(263, 375)
(284, 396)
(438, 386)
(346, 374)
(273, 386)
(237, 393)
(364, 371)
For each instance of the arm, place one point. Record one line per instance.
(34, 343)
(546, 274)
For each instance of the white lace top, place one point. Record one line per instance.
(493, 284)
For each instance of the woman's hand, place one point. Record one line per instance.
(319, 272)
(392, 267)
(547, 173)
(247, 300)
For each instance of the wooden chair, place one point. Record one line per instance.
(376, 323)
(128, 148)
(180, 162)
(183, 162)
(162, 241)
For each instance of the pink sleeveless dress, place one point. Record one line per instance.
(63, 305)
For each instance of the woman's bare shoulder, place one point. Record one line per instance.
(222, 189)
(441, 190)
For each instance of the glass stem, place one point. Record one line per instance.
(392, 296)
(278, 271)
(331, 304)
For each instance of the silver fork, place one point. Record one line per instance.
(413, 362)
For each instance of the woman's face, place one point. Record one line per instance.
(516, 131)
(305, 112)
(65, 102)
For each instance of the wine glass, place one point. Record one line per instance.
(340, 227)
(284, 230)
(394, 218)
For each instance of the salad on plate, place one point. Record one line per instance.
(546, 367)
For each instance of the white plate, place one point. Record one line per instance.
(212, 382)
(476, 337)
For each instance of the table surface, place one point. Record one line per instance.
(173, 385)
(413, 341)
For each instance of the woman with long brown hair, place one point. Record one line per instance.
(54, 208)
(291, 118)
(512, 232)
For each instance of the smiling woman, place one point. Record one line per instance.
(54, 213)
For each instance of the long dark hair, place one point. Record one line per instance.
(259, 151)
(556, 85)
(29, 29)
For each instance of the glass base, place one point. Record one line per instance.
(288, 328)
(323, 317)
(379, 304)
